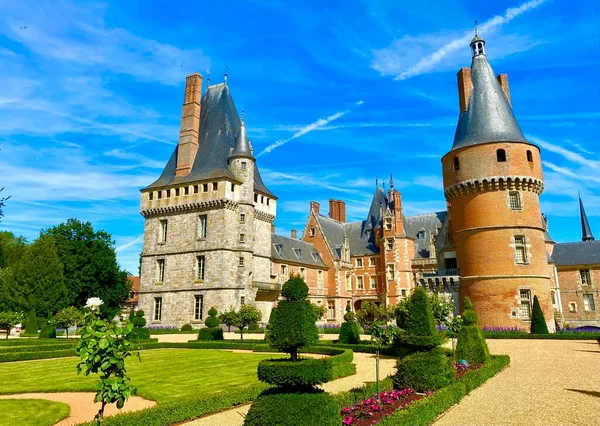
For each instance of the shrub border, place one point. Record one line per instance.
(553, 336)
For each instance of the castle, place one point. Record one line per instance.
(209, 237)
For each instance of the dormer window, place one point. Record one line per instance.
(456, 164)
(421, 235)
(298, 253)
(278, 248)
(316, 257)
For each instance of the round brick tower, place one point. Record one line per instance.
(492, 182)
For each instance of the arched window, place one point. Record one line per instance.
(529, 156)
(501, 155)
(456, 164)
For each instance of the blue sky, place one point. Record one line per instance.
(91, 93)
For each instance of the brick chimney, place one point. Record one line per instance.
(334, 209)
(314, 207)
(503, 80)
(190, 125)
(464, 87)
(398, 218)
(294, 234)
(342, 210)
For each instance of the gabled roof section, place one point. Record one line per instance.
(378, 206)
(430, 223)
(579, 253)
(489, 116)
(219, 126)
(286, 249)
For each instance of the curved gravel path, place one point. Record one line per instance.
(82, 405)
(548, 382)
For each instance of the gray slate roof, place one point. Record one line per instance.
(361, 238)
(489, 116)
(579, 253)
(292, 250)
(219, 126)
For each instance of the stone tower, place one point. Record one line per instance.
(208, 218)
(492, 182)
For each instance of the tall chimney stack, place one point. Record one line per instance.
(190, 125)
(294, 234)
(465, 86)
(503, 80)
(334, 209)
(314, 207)
(342, 211)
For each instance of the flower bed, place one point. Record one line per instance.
(370, 411)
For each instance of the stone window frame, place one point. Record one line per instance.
(200, 268)
(177, 191)
(157, 309)
(529, 156)
(373, 282)
(456, 164)
(186, 190)
(202, 226)
(196, 189)
(515, 201)
(312, 231)
(205, 187)
(242, 300)
(390, 271)
(525, 303)
(501, 156)
(150, 196)
(282, 273)
(520, 246)
(163, 230)
(372, 261)
(331, 309)
(320, 280)
(241, 262)
(302, 272)
(198, 307)
(242, 238)
(244, 165)
(359, 262)
(215, 186)
(360, 282)
(589, 304)
(585, 277)
(242, 217)
(573, 307)
(403, 292)
(159, 278)
(389, 244)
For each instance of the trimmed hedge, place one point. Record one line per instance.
(426, 411)
(471, 345)
(40, 348)
(34, 342)
(342, 370)
(281, 408)
(185, 409)
(142, 333)
(211, 333)
(553, 336)
(187, 327)
(305, 372)
(47, 332)
(26, 356)
(406, 341)
(424, 371)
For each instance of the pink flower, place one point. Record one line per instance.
(348, 420)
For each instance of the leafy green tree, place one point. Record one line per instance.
(369, 313)
(11, 248)
(31, 323)
(538, 322)
(318, 311)
(246, 316)
(90, 265)
(228, 318)
(8, 319)
(68, 317)
(293, 322)
(37, 280)
(442, 309)
(420, 320)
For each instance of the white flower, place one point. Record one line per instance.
(94, 303)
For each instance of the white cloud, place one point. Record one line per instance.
(567, 154)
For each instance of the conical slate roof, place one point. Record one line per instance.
(586, 231)
(219, 126)
(242, 146)
(489, 116)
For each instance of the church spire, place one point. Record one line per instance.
(586, 232)
(242, 145)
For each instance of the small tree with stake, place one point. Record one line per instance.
(228, 318)
(246, 316)
(68, 317)
(9, 319)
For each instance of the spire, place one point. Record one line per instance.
(586, 232)
(488, 116)
(225, 76)
(391, 182)
(242, 145)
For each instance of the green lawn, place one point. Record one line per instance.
(31, 412)
(163, 375)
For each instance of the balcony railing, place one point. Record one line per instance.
(452, 272)
(266, 286)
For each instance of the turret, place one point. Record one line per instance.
(492, 182)
(586, 231)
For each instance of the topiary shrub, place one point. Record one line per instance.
(47, 332)
(139, 324)
(142, 333)
(538, 322)
(292, 324)
(469, 316)
(471, 345)
(211, 333)
(418, 324)
(303, 408)
(306, 372)
(350, 331)
(138, 319)
(186, 327)
(31, 323)
(423, 371)
(212, 320)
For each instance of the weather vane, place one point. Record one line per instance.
(225, 78)
(475, 27)
(207, 78)
(391, 181)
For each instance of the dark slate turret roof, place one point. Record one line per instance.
(219, 126)
(579, 253)
(242, 145)
(586, 231)
(287, 249)
(489, 116)
(428, 223)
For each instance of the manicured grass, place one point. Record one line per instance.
(31, 412)
(164, 375)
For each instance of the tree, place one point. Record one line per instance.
(2, 200)
(228, 318)
(37, 280)
(246, 316)
(538, 322)
(369, 313)
(11, 248)
(90, 265)
(8, 319)
(318, 311)
(68, 317)
(442, 309)
(31, 323)
(292, 324)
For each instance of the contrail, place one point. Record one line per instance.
(433, 59)
(308, 128)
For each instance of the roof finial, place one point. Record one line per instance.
(391, 182)
(225, 77)
(376, 183)
(243, 114)
(207, 79)
(475, 27)
(586, 232)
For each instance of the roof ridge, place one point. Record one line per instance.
(425, 214)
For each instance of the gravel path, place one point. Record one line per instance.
(183, 338)
(548, 382)
(365, 372)
(82, 405)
